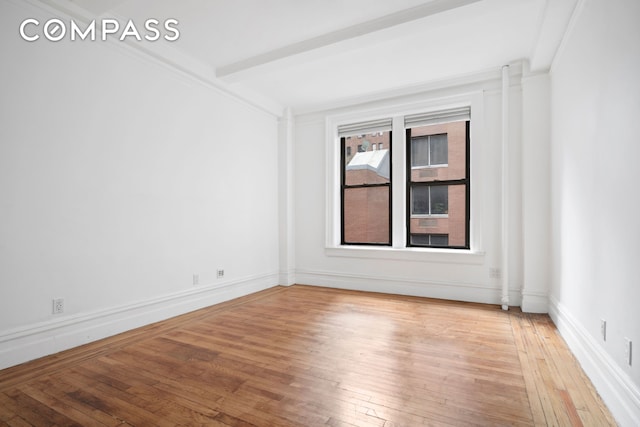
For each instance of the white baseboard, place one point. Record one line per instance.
(616, 388)
(287, 277)
(430, 289)
(46, 338)
(535, 302)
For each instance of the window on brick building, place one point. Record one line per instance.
(430, 239)
(429, 151)
(429, 200)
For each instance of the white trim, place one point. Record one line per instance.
(535, 302)
(439, 256)
(458, 291)
(42, 339)
(616, 388)
(287, 278)
(439, 165)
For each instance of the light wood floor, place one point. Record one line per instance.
(305, 356)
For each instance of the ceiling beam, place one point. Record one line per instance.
(434, 7)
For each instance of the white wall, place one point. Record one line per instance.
(594, 200)
(429, 273)
(119, 179)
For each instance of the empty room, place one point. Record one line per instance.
(319, 213)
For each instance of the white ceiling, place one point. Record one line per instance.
(310, 54)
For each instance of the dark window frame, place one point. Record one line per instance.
(344, 186)
(466, 182)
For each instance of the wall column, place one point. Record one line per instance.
(286, 217)
(535, 192)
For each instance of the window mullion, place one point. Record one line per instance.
(398, 156)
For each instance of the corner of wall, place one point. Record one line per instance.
(616, 388)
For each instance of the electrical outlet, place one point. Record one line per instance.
(58, 306)
(196, 279)
(220, 273)
(603, 329)
(628, 351)
(494, 273)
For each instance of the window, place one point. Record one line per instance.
(429, 200)
(430, 239)
(429, 150)
(366, 187)
(432, 187)
(437, 183)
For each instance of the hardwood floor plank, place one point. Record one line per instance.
(18, 422)
(315, 357)
(60, 406)
(59, 389)
(36, 412)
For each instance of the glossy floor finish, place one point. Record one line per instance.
(307, 356)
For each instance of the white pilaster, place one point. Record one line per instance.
(286, 215)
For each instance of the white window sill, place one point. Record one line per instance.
(435, 255)
(441, 165)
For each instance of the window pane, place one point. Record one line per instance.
(453, 224)
(366, 215)
(420, 151)
(430, 200)
(438, 152)
(439, 199)
(420, 200)
(366, 165)
(439, 240)
(430, 239)
(438, 149)
(420, 239)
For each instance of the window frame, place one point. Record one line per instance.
(344, 186)
(476, 100)
(411, 184)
